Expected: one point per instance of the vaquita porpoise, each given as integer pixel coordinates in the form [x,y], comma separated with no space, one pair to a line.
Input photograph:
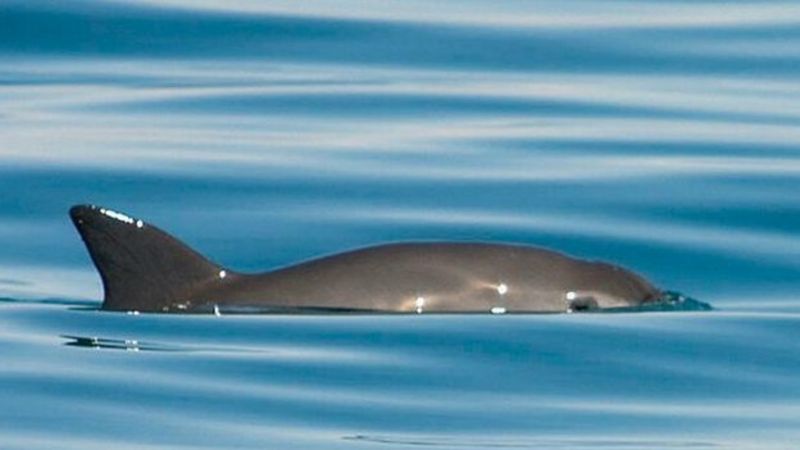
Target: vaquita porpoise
[145,269]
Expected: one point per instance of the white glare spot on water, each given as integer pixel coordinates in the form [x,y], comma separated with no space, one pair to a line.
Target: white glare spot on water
[223,274]
[502,289]
[498,310]
[133,313]
[139,224]
[420,303]
[571,295]
[131,345]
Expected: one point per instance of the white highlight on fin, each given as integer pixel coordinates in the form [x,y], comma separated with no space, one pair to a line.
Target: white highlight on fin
[223,274]
[498,310]
[502,288]
[216,311]
[117,215]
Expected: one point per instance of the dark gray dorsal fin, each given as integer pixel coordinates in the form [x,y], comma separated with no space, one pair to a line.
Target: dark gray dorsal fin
[142,267]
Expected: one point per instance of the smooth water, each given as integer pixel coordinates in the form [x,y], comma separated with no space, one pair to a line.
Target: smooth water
[663,136]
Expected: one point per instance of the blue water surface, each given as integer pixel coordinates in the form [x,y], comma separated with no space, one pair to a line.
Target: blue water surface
[663,136]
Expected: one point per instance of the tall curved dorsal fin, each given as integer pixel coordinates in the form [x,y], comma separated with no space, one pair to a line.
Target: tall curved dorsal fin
[142,267]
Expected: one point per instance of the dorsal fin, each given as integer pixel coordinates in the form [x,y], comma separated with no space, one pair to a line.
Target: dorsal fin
[142,267]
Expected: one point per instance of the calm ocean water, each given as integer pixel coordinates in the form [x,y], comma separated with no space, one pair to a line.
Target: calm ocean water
[663,136]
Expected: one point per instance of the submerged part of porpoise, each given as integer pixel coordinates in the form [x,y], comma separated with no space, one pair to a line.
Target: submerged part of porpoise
[145,269]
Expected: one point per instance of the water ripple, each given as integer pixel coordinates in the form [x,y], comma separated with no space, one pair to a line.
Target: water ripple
[660,136]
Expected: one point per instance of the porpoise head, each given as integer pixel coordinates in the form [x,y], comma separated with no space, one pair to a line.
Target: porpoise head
[599,285]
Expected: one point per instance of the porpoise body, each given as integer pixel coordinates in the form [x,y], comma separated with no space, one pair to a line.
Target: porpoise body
[145,269]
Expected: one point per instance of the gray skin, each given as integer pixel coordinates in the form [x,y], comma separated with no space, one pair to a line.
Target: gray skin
[145,269]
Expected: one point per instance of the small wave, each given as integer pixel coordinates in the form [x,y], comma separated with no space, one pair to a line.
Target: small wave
[136,345]
[120,344]
[527,443]
[78,304]
[14,282]
[669,301]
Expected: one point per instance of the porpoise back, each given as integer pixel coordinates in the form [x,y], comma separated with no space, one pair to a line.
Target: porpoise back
[145,269]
